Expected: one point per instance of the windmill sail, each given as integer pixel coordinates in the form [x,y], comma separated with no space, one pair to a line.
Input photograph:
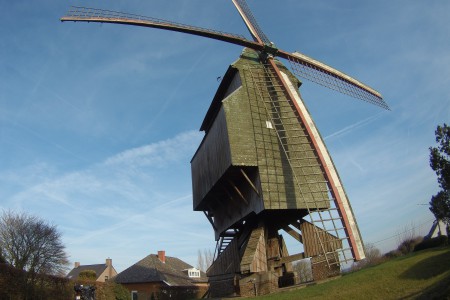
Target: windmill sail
[320,73]
[301,64]
[250,21]
[96,15]
[262,166]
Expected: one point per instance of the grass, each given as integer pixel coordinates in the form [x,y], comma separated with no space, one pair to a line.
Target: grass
[421,275]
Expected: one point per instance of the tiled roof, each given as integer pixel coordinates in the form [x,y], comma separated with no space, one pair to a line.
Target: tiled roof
[151,269]
[99,269]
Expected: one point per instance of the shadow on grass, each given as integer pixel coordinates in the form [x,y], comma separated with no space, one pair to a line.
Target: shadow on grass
[428,268]
[440,290]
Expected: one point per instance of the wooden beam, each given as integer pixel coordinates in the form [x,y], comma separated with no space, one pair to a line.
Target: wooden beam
[210,220]
[293,233]
[233,200]
[291,258]
[296,224]
[249,181]
[237,191]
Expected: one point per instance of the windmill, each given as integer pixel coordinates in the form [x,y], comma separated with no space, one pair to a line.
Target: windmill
[262,166]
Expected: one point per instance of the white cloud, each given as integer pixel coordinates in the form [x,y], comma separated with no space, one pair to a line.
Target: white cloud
[122,200]
[158,154]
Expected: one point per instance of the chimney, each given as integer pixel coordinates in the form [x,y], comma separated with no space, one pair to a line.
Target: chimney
[109,267]
[77,264]
[162,256]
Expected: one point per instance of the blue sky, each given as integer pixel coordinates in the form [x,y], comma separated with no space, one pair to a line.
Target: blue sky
[98,122]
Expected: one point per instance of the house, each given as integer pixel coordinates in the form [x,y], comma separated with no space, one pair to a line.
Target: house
[437,229]
[158,273]
[104,271]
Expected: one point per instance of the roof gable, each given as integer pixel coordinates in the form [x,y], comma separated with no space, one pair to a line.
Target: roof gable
[75,272]
[247,58]
[151,269]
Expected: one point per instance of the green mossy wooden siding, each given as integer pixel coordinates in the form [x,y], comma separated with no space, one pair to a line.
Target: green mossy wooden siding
[240,130]
[241,122]
[284,185]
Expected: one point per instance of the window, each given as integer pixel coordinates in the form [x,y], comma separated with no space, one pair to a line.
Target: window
[134,295]
[106,278]
[194,273]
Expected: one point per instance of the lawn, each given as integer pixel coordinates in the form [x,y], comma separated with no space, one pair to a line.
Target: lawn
[421,275]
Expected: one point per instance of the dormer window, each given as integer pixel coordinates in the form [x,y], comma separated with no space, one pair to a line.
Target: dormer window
[193,273]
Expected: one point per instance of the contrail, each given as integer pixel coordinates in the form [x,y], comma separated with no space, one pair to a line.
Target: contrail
[354,126]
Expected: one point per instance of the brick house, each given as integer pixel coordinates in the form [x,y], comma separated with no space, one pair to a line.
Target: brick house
[104,271]
[158,273]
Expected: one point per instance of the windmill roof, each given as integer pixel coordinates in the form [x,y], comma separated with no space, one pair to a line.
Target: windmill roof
[151,269]
[227,78]
[99,269]
[216,102]
[251,57]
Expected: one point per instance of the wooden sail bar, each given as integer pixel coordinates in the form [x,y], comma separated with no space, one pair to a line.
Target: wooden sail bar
[86,14]
[301,64]
[250,21]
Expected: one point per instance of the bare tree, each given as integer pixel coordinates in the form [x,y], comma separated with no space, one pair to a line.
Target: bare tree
[200,261]
[408,233]
[373,254]
[2,260]
[31,244]
[204,260]
[373,257]
[303,269]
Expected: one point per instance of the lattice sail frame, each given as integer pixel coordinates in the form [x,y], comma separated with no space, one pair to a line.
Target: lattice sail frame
[320,73]
[323,220]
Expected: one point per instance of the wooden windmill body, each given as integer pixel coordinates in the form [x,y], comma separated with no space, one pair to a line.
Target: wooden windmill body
[262,167]
[256,172]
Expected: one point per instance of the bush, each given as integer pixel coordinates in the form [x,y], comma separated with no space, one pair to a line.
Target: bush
[431,243]
[407,246]
[108,290]
[373,258]
[15,285]
[393,254]
[87,275]
[120,292]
